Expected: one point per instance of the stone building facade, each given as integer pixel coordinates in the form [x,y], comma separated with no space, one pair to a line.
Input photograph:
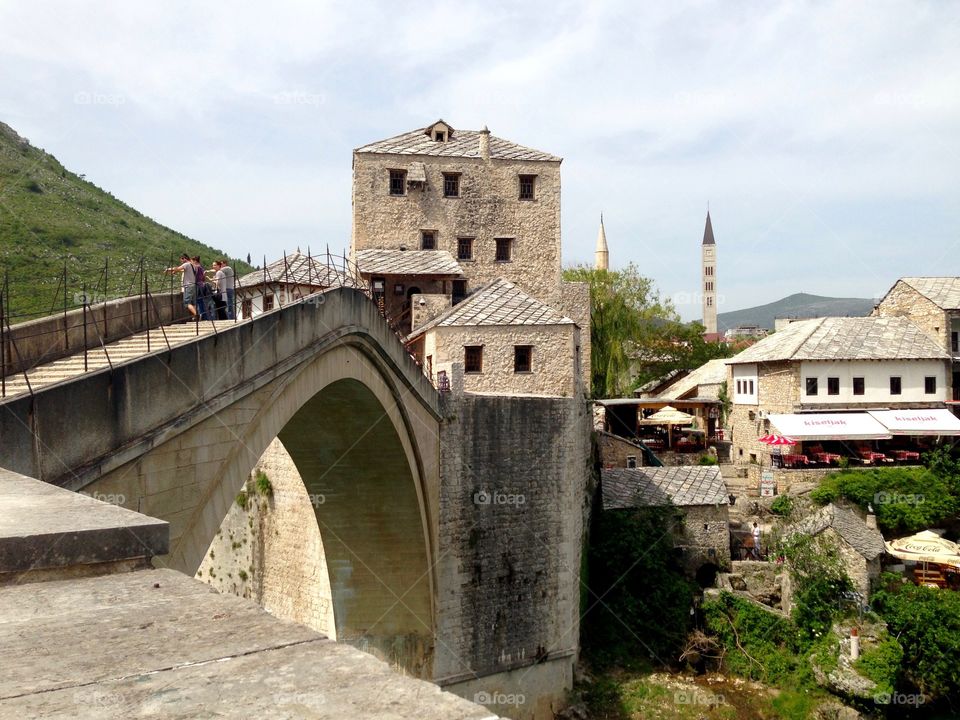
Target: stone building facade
[699,494]
[467,186]
[440,213]
[933,305]
[832,364]
[507,343]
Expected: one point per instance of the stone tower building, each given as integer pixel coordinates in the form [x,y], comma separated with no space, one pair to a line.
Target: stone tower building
[708,270]
[601,258]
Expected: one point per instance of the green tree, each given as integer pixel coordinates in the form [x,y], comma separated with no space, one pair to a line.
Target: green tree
[635,334]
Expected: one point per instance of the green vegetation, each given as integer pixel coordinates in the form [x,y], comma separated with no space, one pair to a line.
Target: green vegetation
[242,499]
[243,575]
[639,600]
[50,216]
[905,499]
[636,335]
[926,621]
[707,460]
[263,484]
[782,505]
[819,581]
[882,664]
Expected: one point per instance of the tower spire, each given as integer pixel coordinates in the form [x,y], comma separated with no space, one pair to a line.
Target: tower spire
[601,257]
[708,278]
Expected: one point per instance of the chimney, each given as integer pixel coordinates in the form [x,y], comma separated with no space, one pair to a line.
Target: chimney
[485,143]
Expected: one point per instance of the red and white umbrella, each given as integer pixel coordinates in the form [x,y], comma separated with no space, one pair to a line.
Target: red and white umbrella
[775,439]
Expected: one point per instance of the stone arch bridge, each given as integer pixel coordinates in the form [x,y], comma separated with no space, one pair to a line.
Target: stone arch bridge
[478,597]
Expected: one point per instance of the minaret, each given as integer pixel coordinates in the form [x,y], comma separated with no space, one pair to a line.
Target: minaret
[601,258]
[708,278]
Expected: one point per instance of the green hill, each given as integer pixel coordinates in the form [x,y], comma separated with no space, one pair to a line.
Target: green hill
[799,305]
[50,216]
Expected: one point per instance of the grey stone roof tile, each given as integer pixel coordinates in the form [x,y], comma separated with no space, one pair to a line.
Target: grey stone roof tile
[499,302]
[845,338]
[407,262]
[942,291]
[849,525]
[462,144]
[659,486]
[298,269]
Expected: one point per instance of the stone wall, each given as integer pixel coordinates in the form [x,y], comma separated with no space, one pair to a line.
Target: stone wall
[516,483]
[778,390]
[575,304]
[862,572]
[615,450]
[488,208]
[553,362]
[705,537]
[255,556]
[904,301]
[425,307]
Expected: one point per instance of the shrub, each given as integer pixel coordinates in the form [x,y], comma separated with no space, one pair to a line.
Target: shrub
[243,575]
[33,186]
[905,499]
[242,499]
[782,505]
[263,484]
[707,460]
[819,581]
[926,622]
[881,664]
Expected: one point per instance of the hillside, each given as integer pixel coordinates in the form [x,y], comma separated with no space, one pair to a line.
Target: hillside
[799,305]
[50,215]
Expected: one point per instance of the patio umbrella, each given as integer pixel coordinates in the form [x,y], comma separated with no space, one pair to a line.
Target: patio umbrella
[668,416]
[925,547]
[775,439]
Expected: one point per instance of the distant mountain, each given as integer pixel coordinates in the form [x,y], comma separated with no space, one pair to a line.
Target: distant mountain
[50,215]
[799,305]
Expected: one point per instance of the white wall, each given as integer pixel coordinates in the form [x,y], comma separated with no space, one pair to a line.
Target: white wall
[743,376]
[876,375]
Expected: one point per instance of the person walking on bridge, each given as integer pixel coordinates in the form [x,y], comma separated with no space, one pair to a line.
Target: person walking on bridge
[189,277]
[225,286]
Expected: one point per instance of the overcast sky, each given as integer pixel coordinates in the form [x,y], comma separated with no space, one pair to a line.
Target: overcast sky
[825,136]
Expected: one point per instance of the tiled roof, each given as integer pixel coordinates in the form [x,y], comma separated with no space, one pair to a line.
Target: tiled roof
[845,338]
[713,372]
[407,262]
[299,269]
[659,486]
[851,527]
[462,143]
[497,303]
[942,291]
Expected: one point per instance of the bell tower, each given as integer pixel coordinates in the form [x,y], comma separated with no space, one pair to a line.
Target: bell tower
[708,278]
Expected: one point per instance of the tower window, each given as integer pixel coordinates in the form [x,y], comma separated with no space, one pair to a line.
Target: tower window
[398,182]
[473,358]
[459,291]
[465,248]
[504,249]
[451,185]
[428,240]
[708,270]
[709,301]
[527,185]
[522,358]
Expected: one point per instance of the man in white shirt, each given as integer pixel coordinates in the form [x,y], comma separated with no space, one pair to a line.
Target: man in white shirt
[224,281]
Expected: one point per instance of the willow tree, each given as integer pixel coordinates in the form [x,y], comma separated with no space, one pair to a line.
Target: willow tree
[625,308]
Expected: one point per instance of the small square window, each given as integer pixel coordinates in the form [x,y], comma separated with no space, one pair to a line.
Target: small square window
[833,386]
[527,185]
[440,136]
[465,248]
[428,240]
[473,358]
[930,385]
[631,461]
[398,182]
[812,386]
[896,386]
[504,249]
[267,302]
[858,386]
[522,358]
[451,185]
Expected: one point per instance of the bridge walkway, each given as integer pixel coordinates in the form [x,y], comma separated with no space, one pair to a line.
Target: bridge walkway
[128,348]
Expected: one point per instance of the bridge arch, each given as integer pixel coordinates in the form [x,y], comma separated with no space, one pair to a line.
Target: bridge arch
[345,427]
